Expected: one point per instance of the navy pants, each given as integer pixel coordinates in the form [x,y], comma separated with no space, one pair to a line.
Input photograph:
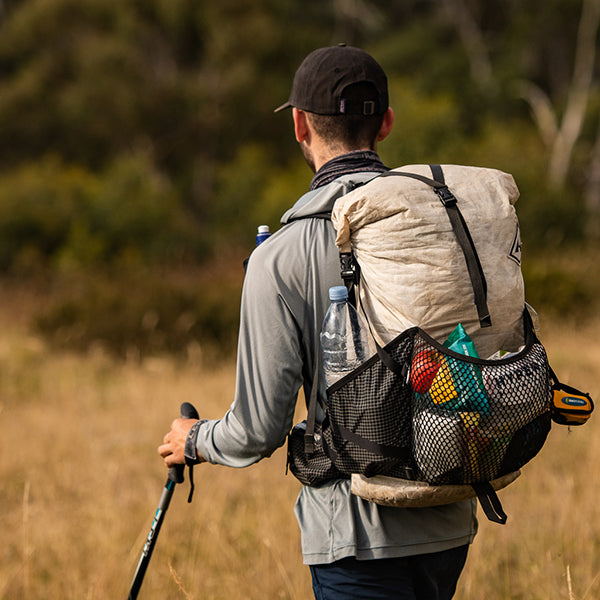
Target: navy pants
[423,577]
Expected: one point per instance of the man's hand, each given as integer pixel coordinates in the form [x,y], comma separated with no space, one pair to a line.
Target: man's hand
[172,450]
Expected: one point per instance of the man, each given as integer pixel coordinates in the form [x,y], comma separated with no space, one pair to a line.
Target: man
[355,549]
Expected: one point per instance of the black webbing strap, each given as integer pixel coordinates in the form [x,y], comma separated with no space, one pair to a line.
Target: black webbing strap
[373,447]
[466,243]
[438,173]
[461,231]
[311,412]
[401,370]
[490,503]
[350,273]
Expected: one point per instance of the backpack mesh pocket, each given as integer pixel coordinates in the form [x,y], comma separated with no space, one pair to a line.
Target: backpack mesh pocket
[447,419]
[368,425]
[475,420]
[311,468]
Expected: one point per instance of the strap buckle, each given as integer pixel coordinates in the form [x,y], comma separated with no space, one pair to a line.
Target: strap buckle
[445,195]
[349,269]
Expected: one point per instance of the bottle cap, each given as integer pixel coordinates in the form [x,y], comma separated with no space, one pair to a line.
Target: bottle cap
[263,229]
[338,292]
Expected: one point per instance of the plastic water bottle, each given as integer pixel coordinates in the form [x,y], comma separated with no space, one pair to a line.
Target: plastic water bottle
[263,233]
[345,339]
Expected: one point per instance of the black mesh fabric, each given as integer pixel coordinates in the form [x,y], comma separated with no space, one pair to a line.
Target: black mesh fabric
[375,404]
[476,420]
[310,468]
[450,420]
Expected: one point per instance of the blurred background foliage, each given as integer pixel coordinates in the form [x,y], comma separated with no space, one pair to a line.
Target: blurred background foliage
[139,149]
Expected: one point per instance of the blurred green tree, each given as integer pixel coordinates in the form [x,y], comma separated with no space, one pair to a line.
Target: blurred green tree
[190,87]
[141,133]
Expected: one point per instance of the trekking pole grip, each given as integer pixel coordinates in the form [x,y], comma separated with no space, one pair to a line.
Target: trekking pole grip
[187,411]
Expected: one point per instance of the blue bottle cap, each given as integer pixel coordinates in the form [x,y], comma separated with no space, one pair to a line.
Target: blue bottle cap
[338,293]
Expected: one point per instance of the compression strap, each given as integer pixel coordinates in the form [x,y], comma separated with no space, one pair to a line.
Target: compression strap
[463,236]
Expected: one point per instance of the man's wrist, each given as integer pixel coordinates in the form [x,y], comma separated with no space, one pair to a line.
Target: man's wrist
[191,452]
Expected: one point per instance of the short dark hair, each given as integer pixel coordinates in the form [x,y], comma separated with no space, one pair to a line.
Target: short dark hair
[352,131]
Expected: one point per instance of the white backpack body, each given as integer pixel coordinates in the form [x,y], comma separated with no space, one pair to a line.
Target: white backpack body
[412,268]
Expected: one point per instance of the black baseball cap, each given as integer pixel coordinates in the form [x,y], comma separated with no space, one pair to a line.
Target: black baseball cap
[339,80]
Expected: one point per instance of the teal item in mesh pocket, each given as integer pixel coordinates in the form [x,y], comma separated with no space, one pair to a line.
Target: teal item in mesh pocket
[470,394]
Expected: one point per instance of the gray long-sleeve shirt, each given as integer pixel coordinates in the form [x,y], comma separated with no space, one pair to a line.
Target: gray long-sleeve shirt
[284,301]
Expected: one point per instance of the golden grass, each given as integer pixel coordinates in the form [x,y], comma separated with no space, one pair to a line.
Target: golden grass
[81,480]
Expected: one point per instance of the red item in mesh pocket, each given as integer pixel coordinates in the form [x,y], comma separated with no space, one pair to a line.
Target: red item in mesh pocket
[423,370]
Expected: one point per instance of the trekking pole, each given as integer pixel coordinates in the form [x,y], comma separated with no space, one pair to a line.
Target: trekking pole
[175,476]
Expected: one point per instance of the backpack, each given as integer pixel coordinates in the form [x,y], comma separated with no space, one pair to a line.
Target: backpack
[441,423]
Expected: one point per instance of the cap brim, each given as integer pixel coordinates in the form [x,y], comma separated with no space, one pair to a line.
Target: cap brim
[283,107]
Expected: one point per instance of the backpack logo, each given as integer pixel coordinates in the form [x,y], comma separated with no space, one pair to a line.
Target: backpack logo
[515,249]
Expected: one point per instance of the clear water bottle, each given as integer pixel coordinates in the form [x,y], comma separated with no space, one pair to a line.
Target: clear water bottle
[263,233]
[345,338]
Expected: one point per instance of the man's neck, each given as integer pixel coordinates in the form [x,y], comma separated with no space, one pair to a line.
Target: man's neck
[330,153]
[356,161]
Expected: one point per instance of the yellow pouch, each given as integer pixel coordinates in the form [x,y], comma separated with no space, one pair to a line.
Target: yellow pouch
[442,389]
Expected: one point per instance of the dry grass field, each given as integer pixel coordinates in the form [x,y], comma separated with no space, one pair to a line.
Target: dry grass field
[81,480]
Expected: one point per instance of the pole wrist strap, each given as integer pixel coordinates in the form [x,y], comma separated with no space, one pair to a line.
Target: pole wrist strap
[191,453]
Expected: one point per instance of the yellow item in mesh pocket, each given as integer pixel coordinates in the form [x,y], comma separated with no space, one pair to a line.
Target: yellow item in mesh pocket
[472,440]
[442,389]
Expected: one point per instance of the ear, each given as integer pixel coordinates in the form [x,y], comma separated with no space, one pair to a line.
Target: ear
[387,124]
[301,128]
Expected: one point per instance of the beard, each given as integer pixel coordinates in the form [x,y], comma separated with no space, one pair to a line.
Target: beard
[308,157]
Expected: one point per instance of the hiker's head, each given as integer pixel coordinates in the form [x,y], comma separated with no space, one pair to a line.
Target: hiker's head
[340,97]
